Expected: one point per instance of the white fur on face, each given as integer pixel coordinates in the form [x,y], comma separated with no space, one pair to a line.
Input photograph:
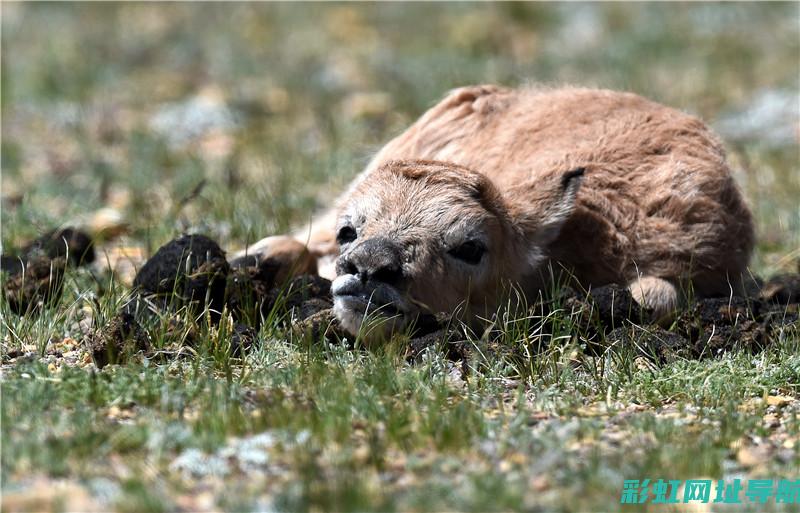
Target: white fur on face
[353,305]
[349,318]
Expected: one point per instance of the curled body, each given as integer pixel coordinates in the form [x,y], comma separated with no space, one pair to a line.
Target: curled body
[494,187]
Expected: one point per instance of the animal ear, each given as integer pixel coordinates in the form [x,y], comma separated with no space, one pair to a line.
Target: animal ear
[553,202]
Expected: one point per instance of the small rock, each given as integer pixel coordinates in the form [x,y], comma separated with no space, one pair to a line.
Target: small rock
[780,400]
[454,350]
[308,286]
[783,289]
[308,308]
[322,324]
[602,309]
[190,269]
[242,339]
[307,295]
[39,284]
[249,295]
[714,325]
[69,243]
[751,456]
[120,338]
[653,342]
[614,305]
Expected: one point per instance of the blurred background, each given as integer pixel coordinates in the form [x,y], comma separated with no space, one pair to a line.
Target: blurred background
[142,120]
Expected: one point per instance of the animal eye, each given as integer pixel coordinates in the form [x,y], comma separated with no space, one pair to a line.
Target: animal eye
[470,252]
[346,235]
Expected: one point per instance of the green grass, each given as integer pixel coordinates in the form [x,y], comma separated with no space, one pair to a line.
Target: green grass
[314,91]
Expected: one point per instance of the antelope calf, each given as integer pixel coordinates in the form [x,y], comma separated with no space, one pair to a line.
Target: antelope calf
[493,187]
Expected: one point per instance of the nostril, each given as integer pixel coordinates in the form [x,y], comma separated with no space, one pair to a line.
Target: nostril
[376,259]
[388,274]
[345,266]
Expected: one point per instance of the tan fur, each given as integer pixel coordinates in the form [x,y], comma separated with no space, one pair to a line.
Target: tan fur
[657,207]
[658,294]
[287,255]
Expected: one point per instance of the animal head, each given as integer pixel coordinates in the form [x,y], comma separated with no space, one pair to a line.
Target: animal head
[424,237]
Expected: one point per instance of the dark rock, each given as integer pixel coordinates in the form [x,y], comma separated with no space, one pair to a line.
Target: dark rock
[775,315]
[651,341]
[723,309]
[615,305]
[75,246]
[206,286]
[166,270]
[10,355]
[189,270]
[418,345]
[445,340]
[146,309]
[38,285]
[307,286]
[599,311]
[429,323]
[707,312]
[36,273]
[576,306]
[783,289]
[440,332]
[11,264]
[249,295]
[70,243]
[308,308]
[319,326]
[751,286]
[118,340]
[305,296]
[748,334]
[242,339]
[714,325]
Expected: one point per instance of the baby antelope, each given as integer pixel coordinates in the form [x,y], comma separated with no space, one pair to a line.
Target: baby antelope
[494,188]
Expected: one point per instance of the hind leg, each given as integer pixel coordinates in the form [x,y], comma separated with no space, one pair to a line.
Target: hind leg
[656,294]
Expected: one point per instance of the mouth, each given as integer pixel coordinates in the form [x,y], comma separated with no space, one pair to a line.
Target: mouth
[364,304]
[354,301]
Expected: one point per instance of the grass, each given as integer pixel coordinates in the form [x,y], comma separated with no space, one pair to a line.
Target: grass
[296,99]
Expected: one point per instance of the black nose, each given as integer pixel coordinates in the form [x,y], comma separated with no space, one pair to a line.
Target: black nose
[376,259]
